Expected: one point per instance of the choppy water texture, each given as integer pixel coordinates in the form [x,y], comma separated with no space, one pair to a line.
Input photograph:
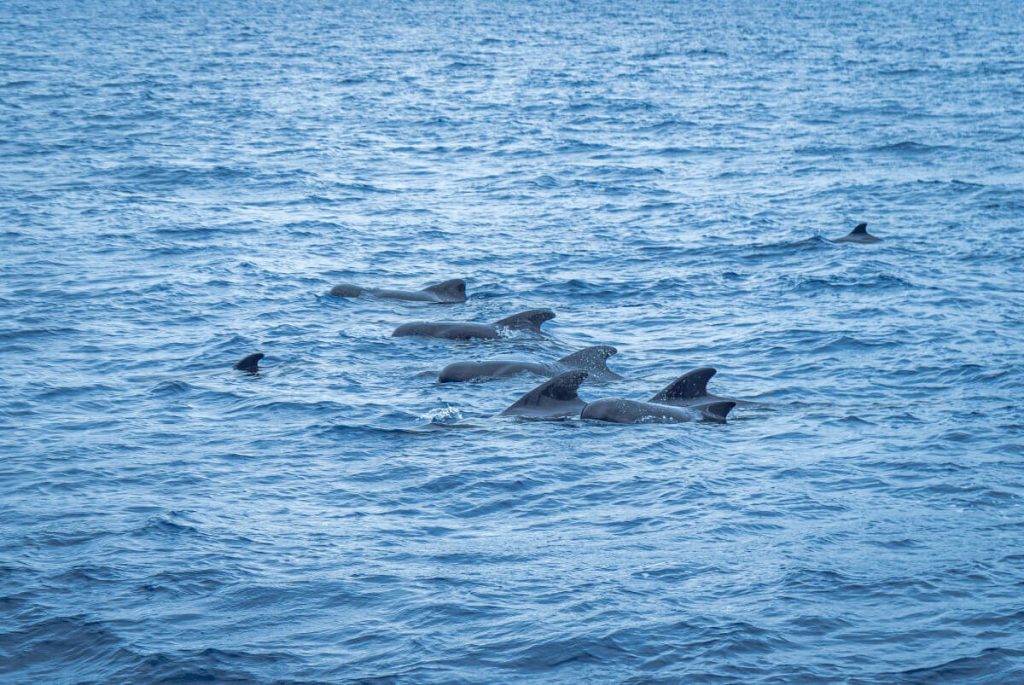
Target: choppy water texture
[183,182]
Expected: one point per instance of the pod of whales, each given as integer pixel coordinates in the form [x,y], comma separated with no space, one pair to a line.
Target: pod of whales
[858,235]
[448,292]
[590,359]
[250,364]
[684,399]
[558,398]
[529,320]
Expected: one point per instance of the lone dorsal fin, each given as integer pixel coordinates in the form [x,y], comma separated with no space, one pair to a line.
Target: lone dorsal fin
[561,388]
[590,358]
[531,319]
[250,364]
[860,229]
[716,411]
[453,290]
[690,385]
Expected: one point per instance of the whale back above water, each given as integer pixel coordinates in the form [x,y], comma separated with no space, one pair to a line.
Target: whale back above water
[490,368]
[447,292]
[590,359]
[620,410]
[556,398]
[858,235]
[459,330]
[450,330]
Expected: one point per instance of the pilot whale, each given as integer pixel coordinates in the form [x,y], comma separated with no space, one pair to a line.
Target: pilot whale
[529,320]
[858,235]
[591,359]
[558,398]
[448,292]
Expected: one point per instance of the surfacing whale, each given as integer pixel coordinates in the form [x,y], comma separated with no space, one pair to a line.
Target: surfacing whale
[529,320]
[858,235]
[590,359]
[558,399]
[448,292]
[691,389]
[250,364]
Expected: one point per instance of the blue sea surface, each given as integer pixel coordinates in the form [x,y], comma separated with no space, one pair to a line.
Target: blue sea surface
[181,184]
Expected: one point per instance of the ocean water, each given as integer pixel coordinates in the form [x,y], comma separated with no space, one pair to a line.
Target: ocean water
[181,183]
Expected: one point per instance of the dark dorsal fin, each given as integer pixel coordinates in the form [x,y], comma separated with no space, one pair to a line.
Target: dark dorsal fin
[561,388]
[531,319]
[690,385]
[590,358]
[453,290]
[250,364]
[860,229]
[716,411]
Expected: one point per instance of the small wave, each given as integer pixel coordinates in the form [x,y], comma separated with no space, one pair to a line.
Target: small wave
[160,175]
[759,251]
[817,284]
[704,150]
[167,526]
[822,151]
[175,387]
[11,334]
[349,431]
[992,665]
[706,52]
[447,414]
[908,147]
